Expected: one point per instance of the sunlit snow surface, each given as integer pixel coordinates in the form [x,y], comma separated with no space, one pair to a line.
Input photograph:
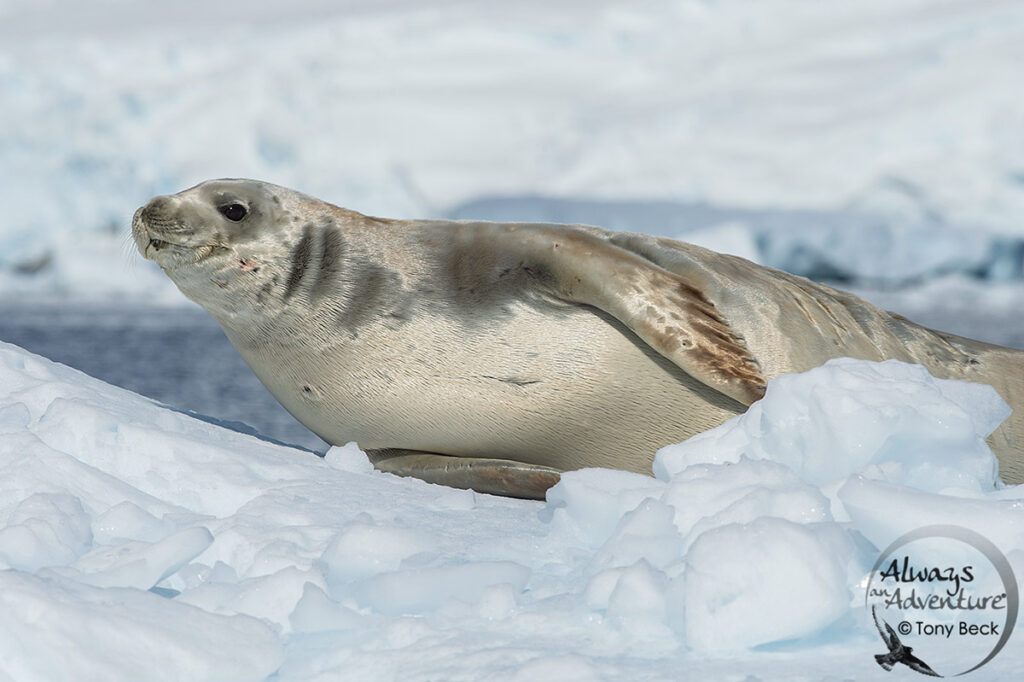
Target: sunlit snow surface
[140,543]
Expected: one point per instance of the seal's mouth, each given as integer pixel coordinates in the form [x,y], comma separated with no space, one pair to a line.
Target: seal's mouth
[171,254]
[168,251]
[152,246]
[151,242]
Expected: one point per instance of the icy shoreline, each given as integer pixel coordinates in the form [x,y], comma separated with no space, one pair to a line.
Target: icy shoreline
[878,141]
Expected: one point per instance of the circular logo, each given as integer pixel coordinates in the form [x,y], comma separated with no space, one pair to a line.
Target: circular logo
[942,598]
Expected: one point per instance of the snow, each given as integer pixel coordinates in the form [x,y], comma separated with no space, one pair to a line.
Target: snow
[57,629]
[137,542]
[877,141]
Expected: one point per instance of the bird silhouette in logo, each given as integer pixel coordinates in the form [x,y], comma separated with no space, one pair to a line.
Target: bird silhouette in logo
[898,653]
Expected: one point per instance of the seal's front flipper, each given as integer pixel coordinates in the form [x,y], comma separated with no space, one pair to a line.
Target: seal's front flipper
[484,475]
[669,311]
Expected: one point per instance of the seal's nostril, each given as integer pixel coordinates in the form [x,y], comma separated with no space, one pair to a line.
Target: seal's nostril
[156,209]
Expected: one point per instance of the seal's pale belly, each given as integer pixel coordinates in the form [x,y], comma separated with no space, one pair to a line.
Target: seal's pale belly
[566,391]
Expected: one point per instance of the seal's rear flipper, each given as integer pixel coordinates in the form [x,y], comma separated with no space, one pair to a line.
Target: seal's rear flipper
[484,475]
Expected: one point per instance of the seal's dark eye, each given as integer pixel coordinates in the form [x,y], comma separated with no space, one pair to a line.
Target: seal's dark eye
[234,212]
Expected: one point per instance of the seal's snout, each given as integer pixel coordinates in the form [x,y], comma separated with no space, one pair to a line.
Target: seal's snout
[152,221]
[162,217]
[158,210]
[139,232]
[137,220]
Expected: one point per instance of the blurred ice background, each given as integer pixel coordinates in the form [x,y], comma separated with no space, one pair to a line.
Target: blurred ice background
[875,144]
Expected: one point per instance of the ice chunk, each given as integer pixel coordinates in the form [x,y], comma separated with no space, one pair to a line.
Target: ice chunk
[498,601]
[273,597]
[561,667]
[212,596]
[421,590]
[315,612]
[142,564]
[884,511]
[592,501]
[348,457]
[707,496]
[766,581]
[646,533]
[56,629]
[127,521]
[639,593]
[363,549]
[14,417]
[847,415]
[45,529]
[448,499]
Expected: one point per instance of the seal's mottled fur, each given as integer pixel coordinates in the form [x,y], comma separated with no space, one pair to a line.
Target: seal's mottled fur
[493,355]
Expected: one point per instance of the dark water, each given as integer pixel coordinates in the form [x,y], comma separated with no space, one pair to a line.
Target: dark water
[178,356]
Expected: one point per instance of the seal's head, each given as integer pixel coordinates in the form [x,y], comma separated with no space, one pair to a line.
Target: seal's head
[191,226]
[207,237]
